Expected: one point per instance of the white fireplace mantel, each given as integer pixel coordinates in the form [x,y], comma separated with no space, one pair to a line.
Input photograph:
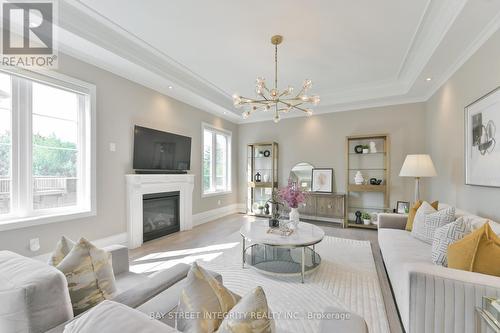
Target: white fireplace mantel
[140,184]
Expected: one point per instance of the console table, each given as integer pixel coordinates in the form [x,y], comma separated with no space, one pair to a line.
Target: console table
[330,207]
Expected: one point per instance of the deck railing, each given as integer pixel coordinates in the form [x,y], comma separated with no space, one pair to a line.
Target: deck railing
[41,185]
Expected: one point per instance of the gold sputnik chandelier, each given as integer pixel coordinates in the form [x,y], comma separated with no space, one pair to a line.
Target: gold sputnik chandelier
[274,99]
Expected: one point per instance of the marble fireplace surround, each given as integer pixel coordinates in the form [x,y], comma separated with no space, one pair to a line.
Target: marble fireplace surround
[140,184]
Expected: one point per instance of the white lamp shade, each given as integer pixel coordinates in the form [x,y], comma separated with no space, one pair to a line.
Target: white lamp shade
[418,166]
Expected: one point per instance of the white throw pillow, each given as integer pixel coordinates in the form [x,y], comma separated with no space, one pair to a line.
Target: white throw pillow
[89,272]
[424,210]
[251,314]
[63,247]
[425,231]
[446,235]
[203,302]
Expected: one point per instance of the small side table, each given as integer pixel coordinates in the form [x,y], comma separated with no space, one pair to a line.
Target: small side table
[488,314]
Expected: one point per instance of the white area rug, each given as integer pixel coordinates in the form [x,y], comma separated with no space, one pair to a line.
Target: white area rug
[347,278]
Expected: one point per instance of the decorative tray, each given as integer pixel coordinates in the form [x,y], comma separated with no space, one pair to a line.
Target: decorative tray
[279,231]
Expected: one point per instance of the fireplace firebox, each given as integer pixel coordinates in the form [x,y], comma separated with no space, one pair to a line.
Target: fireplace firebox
[160,214]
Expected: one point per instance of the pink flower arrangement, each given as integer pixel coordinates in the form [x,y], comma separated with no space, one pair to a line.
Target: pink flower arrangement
[292,195]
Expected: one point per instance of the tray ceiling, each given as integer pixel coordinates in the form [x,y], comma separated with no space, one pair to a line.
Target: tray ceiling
[358,53]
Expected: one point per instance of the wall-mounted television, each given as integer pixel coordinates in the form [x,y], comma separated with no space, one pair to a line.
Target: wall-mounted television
[160,152]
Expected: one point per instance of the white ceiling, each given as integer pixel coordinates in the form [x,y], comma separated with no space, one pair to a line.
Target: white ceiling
[358,53]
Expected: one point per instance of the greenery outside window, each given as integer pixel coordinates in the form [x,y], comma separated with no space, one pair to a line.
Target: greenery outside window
[47,164]
[216,167]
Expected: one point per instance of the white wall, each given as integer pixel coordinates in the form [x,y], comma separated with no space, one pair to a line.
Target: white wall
[120,105]
[320,140]
[445,131]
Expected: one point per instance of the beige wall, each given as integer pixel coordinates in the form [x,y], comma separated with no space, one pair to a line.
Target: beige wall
[320,140]
[445,131]
[120,105]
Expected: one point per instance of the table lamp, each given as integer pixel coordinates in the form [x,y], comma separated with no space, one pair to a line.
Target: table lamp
[418,166]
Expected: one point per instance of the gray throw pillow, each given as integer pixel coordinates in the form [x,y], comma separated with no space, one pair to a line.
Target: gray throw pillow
[446,235]
[425,231]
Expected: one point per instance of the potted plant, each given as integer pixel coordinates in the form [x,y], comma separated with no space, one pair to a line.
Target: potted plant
[261,209]
[293,196]
[367,219]
[366,149]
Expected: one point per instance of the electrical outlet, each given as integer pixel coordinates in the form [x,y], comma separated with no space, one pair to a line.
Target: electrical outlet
[112,146]
[34,244]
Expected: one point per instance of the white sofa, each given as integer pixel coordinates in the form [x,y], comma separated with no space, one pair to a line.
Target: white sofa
[431,298]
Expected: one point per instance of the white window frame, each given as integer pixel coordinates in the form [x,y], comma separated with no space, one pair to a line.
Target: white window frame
[22,214]
[228,134]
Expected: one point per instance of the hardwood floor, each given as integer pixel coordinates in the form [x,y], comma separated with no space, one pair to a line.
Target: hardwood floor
[218,231]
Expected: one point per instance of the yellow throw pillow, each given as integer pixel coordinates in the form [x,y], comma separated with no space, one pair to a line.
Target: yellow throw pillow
[413,212]
[477,252]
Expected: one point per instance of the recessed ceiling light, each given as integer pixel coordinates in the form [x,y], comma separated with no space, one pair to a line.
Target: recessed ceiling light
[170,87]
[225,112]
[428,79]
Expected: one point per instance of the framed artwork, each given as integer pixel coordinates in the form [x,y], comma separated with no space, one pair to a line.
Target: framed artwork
[403,207]
[322,180]
[482,153]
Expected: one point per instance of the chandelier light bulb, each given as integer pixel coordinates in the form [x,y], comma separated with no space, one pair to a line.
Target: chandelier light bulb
[274,93]
[267,108]
[276,118]
[307,84]
[309,112]
[304,98]
[245,114]
[315,100]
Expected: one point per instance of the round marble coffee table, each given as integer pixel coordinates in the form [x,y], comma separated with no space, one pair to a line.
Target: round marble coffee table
[273,253]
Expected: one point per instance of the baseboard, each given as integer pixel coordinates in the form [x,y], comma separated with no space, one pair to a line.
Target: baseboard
[214,214]
[198,219]
[120,239]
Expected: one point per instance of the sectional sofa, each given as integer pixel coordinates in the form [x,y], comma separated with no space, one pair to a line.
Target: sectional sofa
[431,298]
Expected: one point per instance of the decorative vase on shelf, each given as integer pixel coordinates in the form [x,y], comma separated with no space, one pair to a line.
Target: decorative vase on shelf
[294,217]
[257,177]
[266,178]
[373,147]
[358,178]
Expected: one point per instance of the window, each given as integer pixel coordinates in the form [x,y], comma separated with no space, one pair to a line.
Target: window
[216,168]
[46,153]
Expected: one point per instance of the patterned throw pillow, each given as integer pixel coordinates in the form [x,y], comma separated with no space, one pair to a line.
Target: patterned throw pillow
[251,314]
[425,231]
[446,235]
[63,247]
[89,272]
[205,297]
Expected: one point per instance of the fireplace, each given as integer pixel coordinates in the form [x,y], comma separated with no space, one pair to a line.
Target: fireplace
[160,214]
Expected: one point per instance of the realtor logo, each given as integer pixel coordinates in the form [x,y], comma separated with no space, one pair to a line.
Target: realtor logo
[28,34]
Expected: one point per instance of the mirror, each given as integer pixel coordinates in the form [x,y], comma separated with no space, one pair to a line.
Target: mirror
[301,174]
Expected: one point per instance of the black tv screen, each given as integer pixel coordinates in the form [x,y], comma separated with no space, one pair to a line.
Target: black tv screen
[157,150]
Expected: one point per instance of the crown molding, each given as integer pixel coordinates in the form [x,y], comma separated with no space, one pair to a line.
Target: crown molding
[91,37]
[435,23]
[480,39]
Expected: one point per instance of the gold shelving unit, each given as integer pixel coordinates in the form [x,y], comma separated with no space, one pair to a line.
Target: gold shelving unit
[262,159]
[373,164]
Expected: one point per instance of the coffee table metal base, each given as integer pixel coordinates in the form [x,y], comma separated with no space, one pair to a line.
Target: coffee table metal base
[276,260]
